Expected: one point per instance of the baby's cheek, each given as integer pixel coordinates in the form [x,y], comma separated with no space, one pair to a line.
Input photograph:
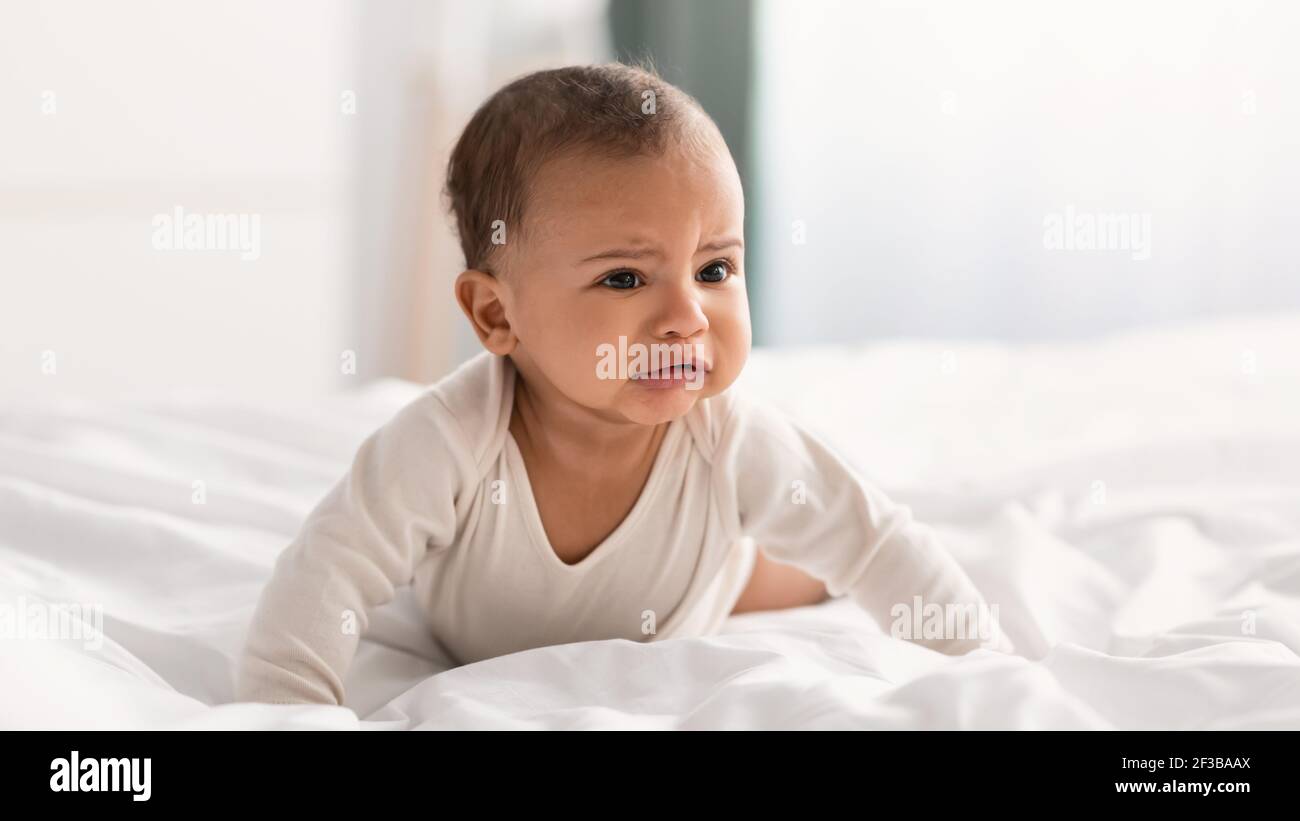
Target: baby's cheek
[734,337]
[594,382]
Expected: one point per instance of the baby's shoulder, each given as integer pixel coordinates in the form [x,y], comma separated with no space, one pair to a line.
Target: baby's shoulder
[744,432]
[712,421]
[463,410]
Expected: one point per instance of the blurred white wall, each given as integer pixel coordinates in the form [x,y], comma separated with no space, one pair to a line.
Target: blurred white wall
[116,112]
[913,154]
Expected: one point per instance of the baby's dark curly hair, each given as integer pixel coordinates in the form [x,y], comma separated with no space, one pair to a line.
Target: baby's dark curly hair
[612,110]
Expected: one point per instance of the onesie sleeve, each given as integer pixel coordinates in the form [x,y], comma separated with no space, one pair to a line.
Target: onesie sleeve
[361,541]
[805,506]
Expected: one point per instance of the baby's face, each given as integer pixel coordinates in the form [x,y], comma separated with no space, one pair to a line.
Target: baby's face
[649,249]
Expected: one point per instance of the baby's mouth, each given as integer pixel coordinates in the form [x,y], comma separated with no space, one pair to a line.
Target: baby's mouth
[685,370]
[686,375]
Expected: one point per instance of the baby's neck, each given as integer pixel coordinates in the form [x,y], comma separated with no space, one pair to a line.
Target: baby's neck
[576,440]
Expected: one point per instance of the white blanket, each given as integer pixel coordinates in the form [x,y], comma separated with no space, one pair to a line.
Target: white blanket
[1132,505]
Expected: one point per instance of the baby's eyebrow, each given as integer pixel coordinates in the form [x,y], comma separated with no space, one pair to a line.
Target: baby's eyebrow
[625,253]
[647,251]
[721,244]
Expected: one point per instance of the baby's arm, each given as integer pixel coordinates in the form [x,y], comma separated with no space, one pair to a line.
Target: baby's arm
[806,507]
[362,541]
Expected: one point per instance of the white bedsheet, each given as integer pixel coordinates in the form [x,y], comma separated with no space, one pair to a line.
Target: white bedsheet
[1131,504]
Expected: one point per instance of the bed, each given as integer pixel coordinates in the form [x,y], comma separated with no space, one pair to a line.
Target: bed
[1131,502]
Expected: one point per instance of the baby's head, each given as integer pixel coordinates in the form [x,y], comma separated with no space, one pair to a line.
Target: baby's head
[601,216]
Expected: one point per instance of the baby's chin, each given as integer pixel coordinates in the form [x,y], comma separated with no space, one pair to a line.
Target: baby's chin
[656,405]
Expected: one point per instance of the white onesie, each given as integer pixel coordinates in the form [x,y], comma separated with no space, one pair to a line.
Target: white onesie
[439,497]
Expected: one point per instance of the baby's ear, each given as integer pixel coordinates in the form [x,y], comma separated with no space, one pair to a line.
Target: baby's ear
[479,296]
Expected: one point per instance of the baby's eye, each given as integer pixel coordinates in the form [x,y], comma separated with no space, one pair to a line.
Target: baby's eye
[715,271]
[621,280]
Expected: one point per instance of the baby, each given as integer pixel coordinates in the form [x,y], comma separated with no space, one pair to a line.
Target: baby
[543,493]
